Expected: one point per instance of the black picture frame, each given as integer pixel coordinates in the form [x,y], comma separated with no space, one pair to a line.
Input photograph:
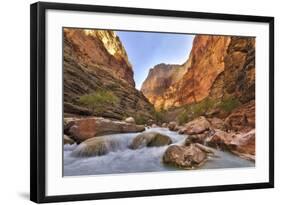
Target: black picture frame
[38,101]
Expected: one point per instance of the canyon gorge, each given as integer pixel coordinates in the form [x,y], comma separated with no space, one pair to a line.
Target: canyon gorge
[190,112]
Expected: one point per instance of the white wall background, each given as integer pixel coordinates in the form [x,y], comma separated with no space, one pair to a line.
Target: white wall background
[14,101]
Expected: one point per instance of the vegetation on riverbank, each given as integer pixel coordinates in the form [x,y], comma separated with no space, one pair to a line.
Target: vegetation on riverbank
[202,108]
[99,100]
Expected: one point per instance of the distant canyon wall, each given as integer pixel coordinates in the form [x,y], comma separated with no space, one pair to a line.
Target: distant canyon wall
[218,66]
[160,79]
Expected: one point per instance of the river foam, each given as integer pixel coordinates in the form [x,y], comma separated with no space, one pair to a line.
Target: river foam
[147,159]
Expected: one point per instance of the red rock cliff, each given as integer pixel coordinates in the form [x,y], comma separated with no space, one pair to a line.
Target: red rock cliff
[217,66]
[98,78]
[160,78]
[100,47]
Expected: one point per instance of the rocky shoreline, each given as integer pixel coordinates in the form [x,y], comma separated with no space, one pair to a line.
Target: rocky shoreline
[204,136]
[212,132]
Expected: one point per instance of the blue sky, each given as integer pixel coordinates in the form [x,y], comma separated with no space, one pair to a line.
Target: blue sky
[146,49]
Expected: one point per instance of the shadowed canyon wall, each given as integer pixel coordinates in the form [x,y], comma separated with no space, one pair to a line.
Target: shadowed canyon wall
[98,77]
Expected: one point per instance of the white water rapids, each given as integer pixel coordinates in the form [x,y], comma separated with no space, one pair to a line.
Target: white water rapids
[147,159]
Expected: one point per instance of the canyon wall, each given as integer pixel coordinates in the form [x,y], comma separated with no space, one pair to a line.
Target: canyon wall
[102,48]
[98,77]
[160,78]
[218,67]
[238,76]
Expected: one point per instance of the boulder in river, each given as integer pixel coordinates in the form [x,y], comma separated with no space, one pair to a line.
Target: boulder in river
[67,123]
[208,150]
[244,145]
[150,139]
[154,125]
[85,128]
[82,129]
[67,140]
[178,128]
[172,126]
[130,120]
[220,139]
[164,124]
[200,138]
[241,144]
[94,147]
[245,142]
[197,126]
[187,157]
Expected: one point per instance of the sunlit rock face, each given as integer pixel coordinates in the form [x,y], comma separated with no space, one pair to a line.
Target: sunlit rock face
[100,47]
[159,80]
[96,67]
[207,62]
[218,66]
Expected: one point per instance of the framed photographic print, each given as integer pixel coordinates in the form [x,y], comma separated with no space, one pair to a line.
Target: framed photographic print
[129,102]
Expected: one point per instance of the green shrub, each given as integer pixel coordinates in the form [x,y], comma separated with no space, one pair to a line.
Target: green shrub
[183,117]
[202,107]
[159,116]
[229,104]
[195,110]
[140,119]
[99,100]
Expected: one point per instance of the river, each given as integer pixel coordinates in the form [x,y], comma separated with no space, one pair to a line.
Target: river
[124,160]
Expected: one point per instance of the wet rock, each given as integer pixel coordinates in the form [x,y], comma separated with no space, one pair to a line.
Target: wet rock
[96,146]
[244,144]
[154,125]
[178,128]
[241,144]
[172,126]
[206,149]
[130,120]
[150,139]
[83,129]
[187,157]
[150,122]
[67,123]
[198,138]
[181,130]
[164,124]
[67,140]
[220,139]
[197,126]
